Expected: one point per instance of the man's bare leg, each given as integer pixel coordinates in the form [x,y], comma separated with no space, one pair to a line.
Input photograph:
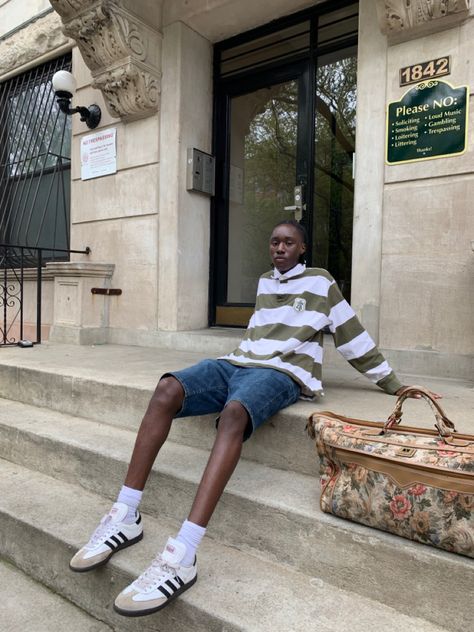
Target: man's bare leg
[175,570]
[222,461]
[122,526]
[154,429]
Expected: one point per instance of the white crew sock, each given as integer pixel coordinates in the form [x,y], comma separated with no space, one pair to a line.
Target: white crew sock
[190,535]
[131,497]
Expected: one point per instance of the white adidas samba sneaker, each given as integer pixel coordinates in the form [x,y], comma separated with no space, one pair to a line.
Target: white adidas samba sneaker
[162,582]
[111,536]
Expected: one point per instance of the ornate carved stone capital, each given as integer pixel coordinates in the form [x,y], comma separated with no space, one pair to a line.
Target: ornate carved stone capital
[413,17]
[121,50]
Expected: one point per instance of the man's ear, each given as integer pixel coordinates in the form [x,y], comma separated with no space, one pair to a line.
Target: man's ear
[303,248]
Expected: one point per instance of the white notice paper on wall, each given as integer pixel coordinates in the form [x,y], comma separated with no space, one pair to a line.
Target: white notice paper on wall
[99,154]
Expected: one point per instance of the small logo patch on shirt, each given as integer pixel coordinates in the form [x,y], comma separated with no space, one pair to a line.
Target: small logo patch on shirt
[300,304]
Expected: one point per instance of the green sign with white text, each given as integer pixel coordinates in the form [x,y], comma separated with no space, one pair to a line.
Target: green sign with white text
[430,121]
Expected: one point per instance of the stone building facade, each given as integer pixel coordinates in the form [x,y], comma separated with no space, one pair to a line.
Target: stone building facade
[151,67]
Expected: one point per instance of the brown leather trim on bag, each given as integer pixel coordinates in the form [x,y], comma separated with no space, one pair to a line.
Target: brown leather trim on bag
[380,424]
[460,443]
[408,474]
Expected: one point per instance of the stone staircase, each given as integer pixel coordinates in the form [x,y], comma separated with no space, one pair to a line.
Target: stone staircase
[271,560]
[45,610]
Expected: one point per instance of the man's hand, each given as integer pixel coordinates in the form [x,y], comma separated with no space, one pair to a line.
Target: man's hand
[417,395]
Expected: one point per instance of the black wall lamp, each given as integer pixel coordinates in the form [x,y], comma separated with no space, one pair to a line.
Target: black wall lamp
[64,86]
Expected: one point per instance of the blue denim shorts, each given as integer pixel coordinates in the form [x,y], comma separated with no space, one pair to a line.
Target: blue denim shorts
[211,384]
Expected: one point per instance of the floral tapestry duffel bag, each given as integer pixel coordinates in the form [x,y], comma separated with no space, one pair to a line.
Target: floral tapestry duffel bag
[414,482]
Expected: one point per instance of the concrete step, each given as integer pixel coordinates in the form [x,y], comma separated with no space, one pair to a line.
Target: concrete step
[113,384]
[43,521]
[214,342]
[270,513]
[270,501]
[28,605]
[115,388]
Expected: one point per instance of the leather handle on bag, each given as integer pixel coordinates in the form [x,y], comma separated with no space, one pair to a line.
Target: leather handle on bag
[444,426]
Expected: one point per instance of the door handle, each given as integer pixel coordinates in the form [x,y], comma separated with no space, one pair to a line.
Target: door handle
[299,206]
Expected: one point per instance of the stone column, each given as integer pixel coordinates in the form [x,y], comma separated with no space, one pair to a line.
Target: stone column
[382,23]
[369,176]
[184,222]
[79,316]
[427,303]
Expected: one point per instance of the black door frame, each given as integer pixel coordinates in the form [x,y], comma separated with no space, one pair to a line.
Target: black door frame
[303,69]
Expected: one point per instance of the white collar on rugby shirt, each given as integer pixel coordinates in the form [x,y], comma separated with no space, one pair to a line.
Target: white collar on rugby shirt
[298,269]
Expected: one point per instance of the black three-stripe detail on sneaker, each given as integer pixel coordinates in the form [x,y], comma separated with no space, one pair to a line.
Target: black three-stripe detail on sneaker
[111,545]
[164,591]
[115,541]
[113,549]
[139,519]
[171,586]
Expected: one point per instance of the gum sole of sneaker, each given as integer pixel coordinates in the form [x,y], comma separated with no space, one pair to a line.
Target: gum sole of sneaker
[142,613]
[102,562]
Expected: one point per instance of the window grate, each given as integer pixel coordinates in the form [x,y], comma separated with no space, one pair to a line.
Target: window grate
[35,161]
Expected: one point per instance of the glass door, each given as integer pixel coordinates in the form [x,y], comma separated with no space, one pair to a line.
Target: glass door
[266,138]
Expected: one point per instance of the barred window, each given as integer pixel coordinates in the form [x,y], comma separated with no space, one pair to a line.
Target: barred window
[35,161]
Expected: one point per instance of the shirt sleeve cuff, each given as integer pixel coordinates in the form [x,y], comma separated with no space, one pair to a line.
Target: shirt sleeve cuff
[390,384]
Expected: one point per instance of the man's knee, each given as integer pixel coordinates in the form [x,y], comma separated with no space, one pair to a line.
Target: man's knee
[233,420]
[168,395]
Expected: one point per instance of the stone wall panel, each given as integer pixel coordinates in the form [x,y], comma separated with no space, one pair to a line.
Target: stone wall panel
[219,19]
[39,39]
[16,12]
[427,300]
[131,245]
[128,193]
[457,43]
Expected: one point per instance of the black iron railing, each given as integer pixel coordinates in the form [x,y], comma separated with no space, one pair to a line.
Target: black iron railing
[17,263]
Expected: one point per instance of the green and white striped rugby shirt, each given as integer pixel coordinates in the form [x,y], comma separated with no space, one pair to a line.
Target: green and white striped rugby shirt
[285,331]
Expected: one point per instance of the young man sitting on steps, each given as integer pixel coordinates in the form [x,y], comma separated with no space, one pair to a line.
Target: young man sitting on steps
[278,361]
